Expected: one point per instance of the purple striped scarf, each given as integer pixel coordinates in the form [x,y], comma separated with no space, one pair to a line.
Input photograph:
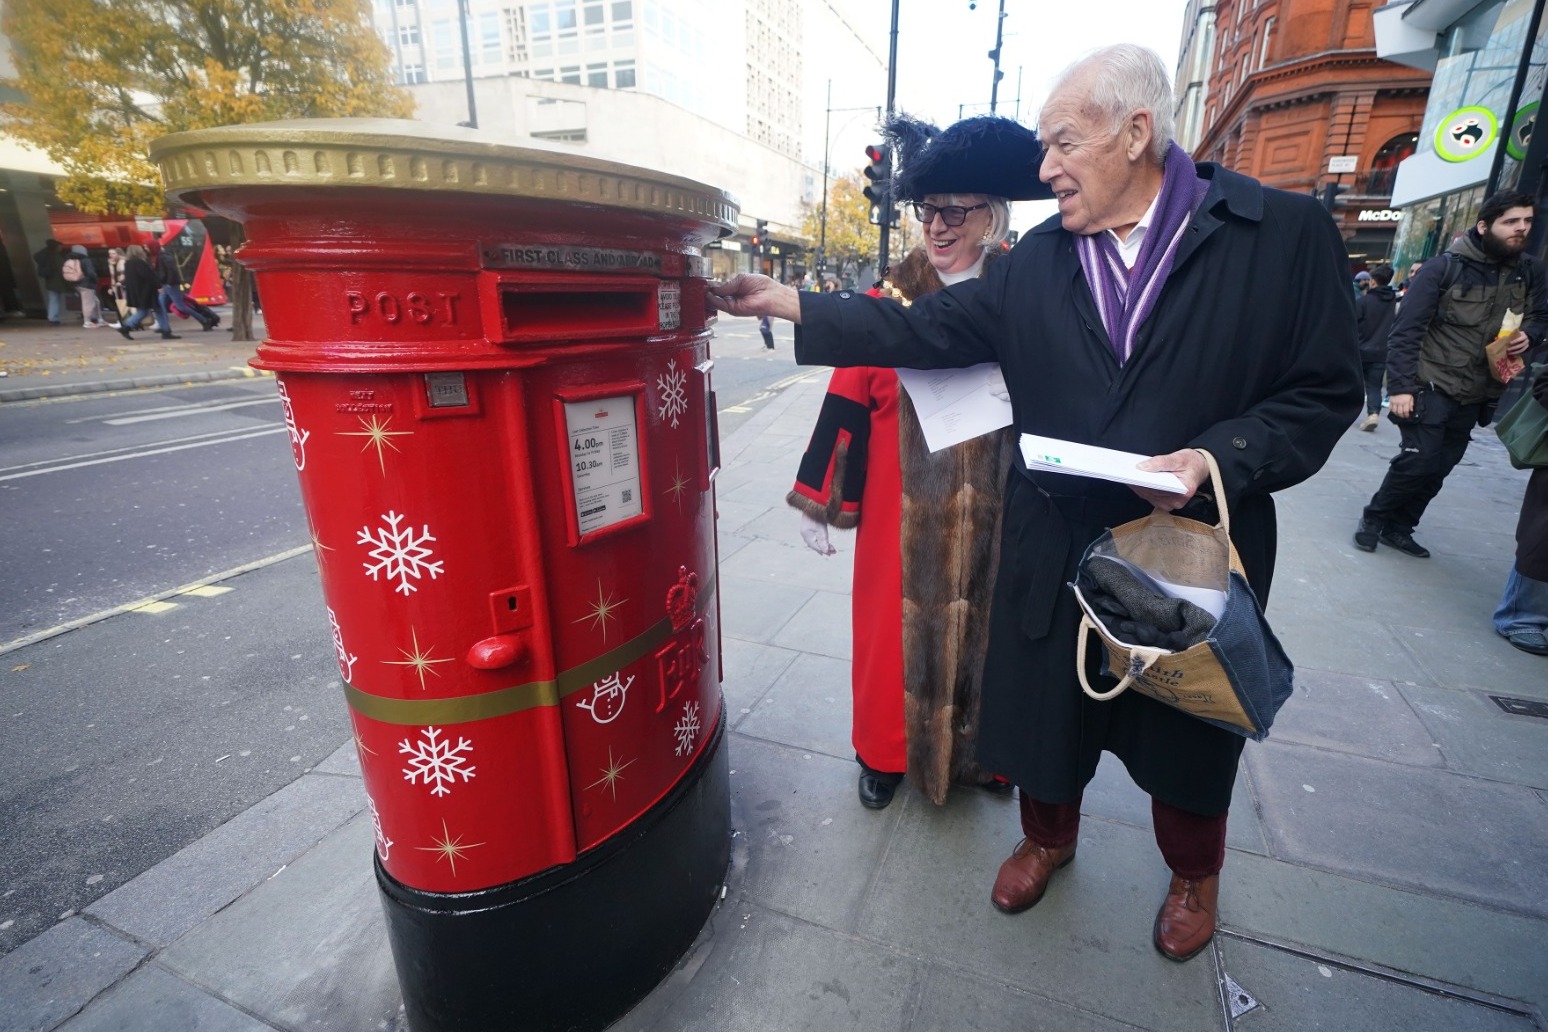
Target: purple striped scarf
[1125,297]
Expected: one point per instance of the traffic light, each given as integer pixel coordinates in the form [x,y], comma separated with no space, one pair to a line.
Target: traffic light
[878,191]
[760,236]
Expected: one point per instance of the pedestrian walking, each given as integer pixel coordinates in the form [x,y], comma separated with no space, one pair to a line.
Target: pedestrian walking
[141,292]
[1134,321]
[1439,383]
[1374,312]
[1522,615]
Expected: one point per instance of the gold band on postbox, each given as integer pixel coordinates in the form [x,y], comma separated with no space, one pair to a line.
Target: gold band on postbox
[464,709]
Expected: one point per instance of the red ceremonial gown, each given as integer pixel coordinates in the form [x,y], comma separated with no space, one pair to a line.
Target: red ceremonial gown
[925,551]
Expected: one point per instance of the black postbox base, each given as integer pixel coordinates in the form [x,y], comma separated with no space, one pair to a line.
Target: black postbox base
[572,949]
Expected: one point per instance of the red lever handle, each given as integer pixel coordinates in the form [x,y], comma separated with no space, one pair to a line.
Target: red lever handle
[493,653]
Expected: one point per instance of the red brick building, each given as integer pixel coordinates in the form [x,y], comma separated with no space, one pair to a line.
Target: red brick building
[1294,95]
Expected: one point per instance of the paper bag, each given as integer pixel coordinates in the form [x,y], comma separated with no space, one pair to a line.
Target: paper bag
[1502,366]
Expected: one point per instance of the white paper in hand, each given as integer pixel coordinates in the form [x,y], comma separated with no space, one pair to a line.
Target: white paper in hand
[1087,460]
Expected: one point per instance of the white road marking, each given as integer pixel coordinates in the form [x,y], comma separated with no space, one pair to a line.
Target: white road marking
[139,454]
[126,448]
[141,603]
[185,410]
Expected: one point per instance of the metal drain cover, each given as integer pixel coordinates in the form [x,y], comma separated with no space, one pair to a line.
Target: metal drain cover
[1521,707]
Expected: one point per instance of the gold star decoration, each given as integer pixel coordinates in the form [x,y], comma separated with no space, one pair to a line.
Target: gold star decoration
[419,659]
[449,849]
[377,436]
[612,774]
[601,611]
[679,484]
[317,546]
[365,750]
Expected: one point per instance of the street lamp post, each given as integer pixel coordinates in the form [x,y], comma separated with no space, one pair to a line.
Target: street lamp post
[467,64]
[999,37]
[892,90]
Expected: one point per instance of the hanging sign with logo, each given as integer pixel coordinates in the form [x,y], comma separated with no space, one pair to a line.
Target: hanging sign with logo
[1520,137]
[1466,133]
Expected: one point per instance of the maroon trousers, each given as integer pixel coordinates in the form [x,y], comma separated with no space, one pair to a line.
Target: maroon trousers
[1193,846]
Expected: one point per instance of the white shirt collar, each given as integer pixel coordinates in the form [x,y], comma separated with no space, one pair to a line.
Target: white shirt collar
[948,278]
[1128,250]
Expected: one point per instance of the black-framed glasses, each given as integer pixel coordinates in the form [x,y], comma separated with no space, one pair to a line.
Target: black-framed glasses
[951,214]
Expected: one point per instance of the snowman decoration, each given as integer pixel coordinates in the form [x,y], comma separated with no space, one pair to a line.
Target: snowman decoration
[607,699]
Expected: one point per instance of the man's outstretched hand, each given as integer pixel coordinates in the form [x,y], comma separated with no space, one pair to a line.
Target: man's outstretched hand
[1188,465]
[747,294]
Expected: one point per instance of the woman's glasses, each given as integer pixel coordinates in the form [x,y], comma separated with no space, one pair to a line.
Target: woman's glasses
[951,214]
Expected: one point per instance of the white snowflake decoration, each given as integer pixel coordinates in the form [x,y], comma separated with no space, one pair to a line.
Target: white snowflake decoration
[687,729]
[674,399]
[383,843]
[436,762]
[399,553]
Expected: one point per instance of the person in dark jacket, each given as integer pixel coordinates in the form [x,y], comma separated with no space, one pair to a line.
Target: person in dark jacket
[1522,615]
[49,263]
[141,287]
[1374,312]
[1135,320]
[1439,384]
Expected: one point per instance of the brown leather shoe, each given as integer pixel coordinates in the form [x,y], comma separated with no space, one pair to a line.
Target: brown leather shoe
[1023,878]
[1186,921]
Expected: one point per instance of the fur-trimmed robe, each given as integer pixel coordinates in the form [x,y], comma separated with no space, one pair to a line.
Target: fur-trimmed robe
[925,559]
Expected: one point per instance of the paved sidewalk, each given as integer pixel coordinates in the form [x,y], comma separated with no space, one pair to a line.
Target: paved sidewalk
[43,361]
[1388,863]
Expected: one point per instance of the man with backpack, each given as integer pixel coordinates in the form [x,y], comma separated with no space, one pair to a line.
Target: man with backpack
[1439,382]
[80,273]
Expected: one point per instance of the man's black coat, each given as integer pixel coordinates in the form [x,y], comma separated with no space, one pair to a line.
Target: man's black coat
[1250,353]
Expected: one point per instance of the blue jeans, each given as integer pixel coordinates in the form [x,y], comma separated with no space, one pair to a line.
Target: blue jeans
[1524,607]
[56,303]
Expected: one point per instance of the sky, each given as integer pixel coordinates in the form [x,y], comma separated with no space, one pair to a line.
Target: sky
[944,70]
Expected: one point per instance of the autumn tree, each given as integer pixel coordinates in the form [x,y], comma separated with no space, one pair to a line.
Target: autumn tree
[851,240]
[102,78]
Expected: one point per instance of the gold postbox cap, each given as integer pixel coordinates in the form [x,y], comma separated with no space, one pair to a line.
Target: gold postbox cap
[397,154]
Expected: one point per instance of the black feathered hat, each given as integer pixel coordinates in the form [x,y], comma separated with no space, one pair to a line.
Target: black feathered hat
[985,154]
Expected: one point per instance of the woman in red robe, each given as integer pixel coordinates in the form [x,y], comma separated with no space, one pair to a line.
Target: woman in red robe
[925,550]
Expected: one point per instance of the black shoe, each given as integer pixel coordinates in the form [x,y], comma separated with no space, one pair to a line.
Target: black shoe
[876,786]
[169,335]
[1404,542]
[125,331]
[1367,534]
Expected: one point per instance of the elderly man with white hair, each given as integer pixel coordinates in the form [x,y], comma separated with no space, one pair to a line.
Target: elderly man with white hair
[1169,307]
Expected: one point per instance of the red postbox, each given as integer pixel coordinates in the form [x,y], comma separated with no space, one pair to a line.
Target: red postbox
[495,371]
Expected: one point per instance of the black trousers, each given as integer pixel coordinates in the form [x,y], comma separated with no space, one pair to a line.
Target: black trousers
[1374,373]
[1432,443]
